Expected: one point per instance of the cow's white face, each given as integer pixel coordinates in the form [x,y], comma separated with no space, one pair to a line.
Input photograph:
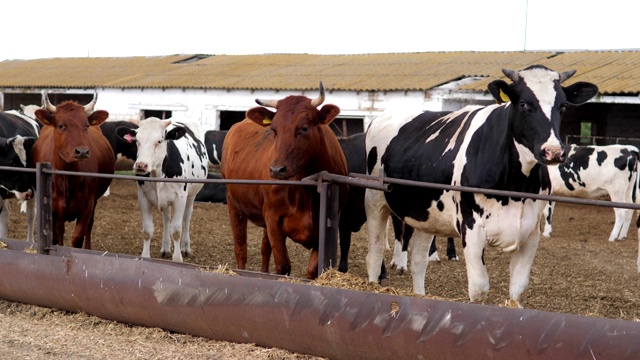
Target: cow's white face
[152,146]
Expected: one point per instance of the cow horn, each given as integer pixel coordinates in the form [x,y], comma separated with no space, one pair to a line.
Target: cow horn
[268,103]
[510,74]
[320,99]
[88,109]
[48,105]
[565,75]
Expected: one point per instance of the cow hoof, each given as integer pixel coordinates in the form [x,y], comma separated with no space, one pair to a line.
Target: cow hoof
[165,254]
[454,258]
[384,282]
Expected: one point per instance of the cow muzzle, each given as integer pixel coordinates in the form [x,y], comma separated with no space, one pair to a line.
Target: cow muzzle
[81,153]
[278,172]
[553,155]
[141,168]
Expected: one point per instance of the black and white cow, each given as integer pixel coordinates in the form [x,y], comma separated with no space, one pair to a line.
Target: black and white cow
[214,192]
[501,146]
[353,215]
[126,149]
[593,172]
[213,140]
[171,150]
[18,133]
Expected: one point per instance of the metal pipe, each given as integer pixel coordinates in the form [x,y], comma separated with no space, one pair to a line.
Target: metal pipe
[316,320]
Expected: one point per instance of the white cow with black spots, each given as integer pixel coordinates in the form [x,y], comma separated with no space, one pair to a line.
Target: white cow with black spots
[593,172]
[171,150]
[501,147]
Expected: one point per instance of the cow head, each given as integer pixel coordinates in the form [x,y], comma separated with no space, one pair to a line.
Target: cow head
[151,139]
[13,152]
[296,124]
[71,122]
[537,103]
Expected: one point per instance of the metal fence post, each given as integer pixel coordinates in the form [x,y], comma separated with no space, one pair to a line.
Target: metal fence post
[44,182]
[328,223]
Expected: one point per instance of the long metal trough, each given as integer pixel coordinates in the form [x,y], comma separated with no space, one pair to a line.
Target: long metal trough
[304,318]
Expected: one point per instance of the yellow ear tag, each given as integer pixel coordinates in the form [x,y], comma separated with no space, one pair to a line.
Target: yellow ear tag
[504,96]
[266,121]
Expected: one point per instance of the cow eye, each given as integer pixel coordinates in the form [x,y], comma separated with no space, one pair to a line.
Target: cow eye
[562,108]
[523,106]
[304,129]
[61,127]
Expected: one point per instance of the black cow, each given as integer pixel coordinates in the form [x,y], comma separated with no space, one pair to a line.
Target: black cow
[503,146]
[18,134]
[213,140]
[353,214]
[214,192]
[127,149]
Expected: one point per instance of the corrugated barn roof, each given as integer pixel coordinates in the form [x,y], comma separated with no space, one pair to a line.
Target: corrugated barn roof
[615,72]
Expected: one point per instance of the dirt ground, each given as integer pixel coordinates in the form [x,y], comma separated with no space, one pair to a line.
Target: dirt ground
[575,271]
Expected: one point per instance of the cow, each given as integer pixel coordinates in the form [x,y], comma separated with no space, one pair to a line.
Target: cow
[167,149]
[214,141]
[18,134]
[503,146]
[127,149]
[72,141]
[291,143]
[593,172]
[213,192]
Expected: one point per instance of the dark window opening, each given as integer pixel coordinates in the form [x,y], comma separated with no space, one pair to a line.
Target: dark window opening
[160,114]
[228,118]
[344,127]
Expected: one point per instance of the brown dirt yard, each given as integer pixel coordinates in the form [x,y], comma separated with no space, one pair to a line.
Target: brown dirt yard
[575,271]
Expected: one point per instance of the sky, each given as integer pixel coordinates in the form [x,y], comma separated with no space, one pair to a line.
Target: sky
[70,28]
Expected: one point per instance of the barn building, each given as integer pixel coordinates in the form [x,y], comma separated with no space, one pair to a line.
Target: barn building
[216,90]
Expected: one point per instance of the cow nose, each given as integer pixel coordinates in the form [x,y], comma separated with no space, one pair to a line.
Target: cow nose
[277,172]
[554,154]
[82,153]
[141,167]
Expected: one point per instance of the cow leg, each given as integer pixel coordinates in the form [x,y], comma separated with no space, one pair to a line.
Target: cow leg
[82,228]
[147,225]
[520,267]
[87,234]
[175,229]
[377,216]
[165,250]
[621,218]
[239,229]
[433,251]
[477,276]
[266,252]
[312,265]
[345,245]
[279,247]
[451,249]
[420,244]
[31,218]
[638,226]
[626,224]
[185,245]
[58,224]
[403,233]
[5,209]
[548,214]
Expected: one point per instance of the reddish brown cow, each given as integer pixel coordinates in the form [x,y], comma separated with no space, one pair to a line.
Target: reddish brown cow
[72,141]
[291,143]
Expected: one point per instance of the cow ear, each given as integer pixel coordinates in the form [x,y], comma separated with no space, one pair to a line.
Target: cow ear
[327,113]
[580,92]
[126,134]
[260,115]
[176,133]
[44,116]
[98,117]
[501,91]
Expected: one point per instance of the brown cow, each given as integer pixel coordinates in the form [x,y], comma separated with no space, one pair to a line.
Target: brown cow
[297,143]
[72,141]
